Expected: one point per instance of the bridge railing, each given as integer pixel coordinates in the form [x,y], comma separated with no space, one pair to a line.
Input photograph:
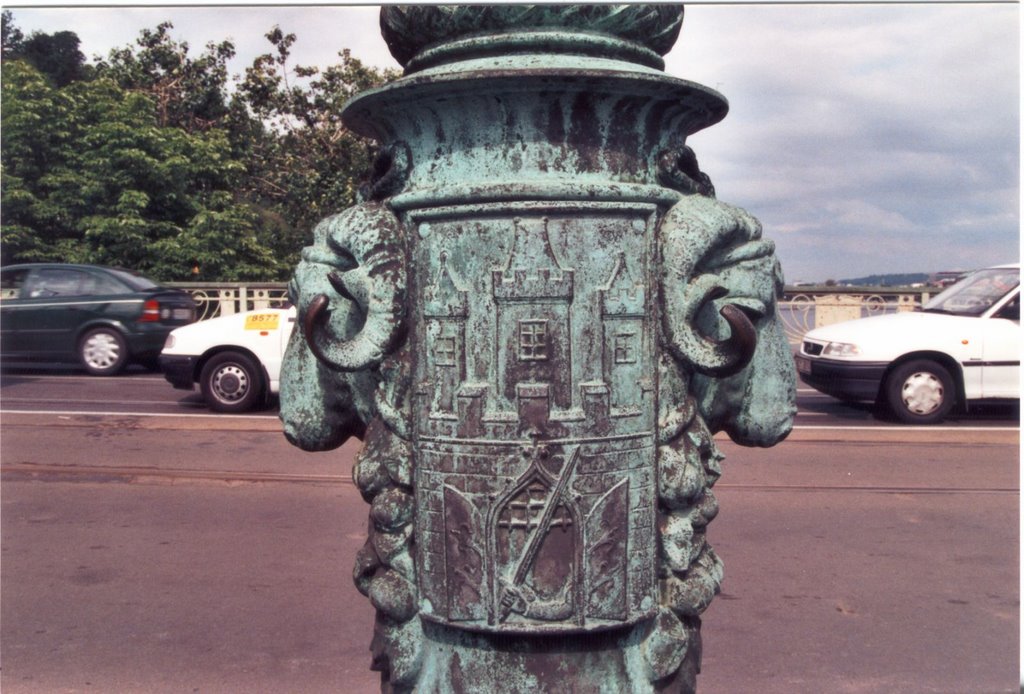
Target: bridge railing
[215,299]
[806,308]
[801,309]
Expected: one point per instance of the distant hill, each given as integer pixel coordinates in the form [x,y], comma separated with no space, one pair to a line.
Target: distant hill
[897,280]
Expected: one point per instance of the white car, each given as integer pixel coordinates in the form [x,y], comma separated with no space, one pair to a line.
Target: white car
[962,346]
[235,359]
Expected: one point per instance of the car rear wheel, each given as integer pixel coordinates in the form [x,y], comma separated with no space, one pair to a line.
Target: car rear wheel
[920,392]
[231,382]
[103,352]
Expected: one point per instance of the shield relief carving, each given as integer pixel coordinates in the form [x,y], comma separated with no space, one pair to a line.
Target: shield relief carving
[534,437]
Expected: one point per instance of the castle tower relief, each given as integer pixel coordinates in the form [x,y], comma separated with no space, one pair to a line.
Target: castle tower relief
[445,309]
[622,319]
[533,294]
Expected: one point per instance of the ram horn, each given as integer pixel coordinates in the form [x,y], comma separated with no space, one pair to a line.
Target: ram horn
[706,354]
[693,234]
[372,236]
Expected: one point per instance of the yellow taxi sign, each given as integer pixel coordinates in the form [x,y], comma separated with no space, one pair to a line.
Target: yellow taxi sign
[262,321]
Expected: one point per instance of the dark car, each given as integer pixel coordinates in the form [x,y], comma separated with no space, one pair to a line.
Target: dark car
[100,317]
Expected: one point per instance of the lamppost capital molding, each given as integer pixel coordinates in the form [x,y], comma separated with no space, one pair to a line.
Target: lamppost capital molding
[421,35]
[536,319]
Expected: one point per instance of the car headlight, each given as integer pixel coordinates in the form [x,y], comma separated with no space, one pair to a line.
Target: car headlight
[840,349]
[169,342]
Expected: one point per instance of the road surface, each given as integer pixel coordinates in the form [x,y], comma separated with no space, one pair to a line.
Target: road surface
[142,393]
[187,552]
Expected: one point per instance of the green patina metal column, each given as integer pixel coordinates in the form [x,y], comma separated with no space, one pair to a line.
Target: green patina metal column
[536,319]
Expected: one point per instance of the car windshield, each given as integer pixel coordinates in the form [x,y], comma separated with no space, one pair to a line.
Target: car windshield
[974,294]
[136,282]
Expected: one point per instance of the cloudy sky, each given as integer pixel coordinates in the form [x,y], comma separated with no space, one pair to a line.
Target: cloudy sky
[867,138]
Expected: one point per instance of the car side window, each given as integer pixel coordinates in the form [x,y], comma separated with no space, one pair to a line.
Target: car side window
[1011,311]
[103,284]
[59,282]
[11,283]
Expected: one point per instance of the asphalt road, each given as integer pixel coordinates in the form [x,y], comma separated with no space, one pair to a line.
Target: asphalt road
[201,553]
[139,392]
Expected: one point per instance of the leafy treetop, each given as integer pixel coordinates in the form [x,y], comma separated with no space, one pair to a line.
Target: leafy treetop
[149,160]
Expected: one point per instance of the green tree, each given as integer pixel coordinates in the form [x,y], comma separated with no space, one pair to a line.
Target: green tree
[89,175]
[303,163]
[55,55]
[188,92]
[11,36]
[148,160]
[35,125]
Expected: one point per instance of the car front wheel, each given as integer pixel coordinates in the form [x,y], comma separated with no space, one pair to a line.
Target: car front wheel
[231,382]
[920,392]
[103,352]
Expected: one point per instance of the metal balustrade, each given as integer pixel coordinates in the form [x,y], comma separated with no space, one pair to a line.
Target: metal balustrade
[801,309]
[215,299]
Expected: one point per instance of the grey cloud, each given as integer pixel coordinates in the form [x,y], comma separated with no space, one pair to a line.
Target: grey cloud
[866,138]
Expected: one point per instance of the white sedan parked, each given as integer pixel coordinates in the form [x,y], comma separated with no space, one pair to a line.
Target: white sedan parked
[235,359]
[962,346]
